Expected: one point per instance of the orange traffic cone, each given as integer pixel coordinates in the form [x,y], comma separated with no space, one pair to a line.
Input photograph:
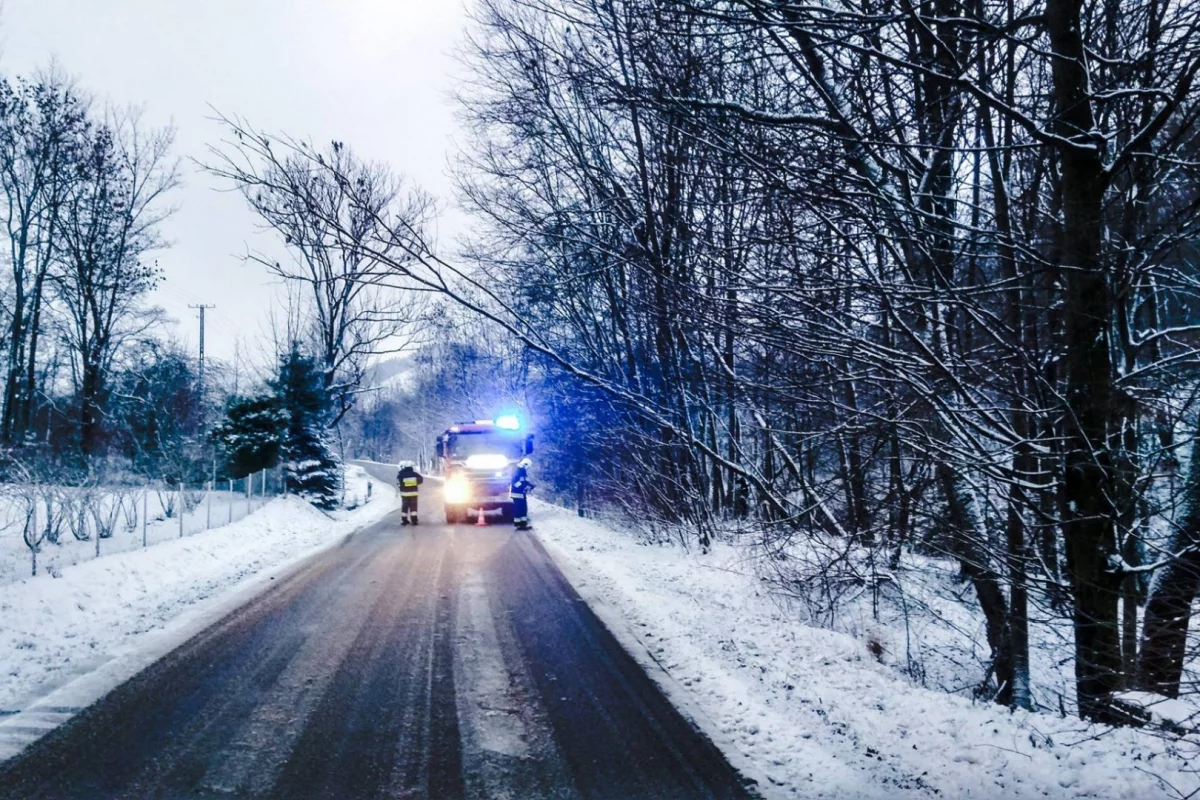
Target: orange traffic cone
[481,522]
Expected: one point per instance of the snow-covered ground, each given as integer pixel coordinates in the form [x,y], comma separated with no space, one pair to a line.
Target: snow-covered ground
[70,622]
[811,713]
[807,711]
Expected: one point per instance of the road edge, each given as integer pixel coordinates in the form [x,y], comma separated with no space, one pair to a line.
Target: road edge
[63,703]
[678,695]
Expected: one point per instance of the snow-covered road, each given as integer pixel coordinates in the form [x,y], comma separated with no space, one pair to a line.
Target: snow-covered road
[441,662]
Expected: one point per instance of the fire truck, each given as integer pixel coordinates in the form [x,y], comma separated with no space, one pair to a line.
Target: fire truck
[478,459]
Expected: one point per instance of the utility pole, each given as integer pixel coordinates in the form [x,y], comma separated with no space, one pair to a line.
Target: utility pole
[202,308]
[203,414]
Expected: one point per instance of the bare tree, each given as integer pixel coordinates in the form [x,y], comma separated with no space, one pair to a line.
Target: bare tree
[111,221]
[31,533]
[344,222]
[43,124]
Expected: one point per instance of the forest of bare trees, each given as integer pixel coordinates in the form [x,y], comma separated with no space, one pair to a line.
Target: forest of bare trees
[85,190]
[901,268]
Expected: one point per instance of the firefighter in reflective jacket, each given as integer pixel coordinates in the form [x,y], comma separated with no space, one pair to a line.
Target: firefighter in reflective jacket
[407,481]
[519,492]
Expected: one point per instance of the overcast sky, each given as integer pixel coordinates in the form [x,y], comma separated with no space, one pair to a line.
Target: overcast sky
[376,74]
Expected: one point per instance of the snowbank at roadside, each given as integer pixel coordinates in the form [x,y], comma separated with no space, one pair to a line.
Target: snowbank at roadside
[810,713]
[55,628]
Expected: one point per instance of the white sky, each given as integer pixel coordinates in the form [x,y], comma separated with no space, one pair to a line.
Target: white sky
[376,74]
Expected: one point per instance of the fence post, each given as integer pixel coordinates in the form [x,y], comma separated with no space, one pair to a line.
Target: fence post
[145,512]
[208,507]
[212,487]
[33,550]
[249,491]
[182,508]
[262,486]
[231,501]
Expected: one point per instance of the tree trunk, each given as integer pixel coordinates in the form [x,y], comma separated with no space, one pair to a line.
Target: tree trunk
[15,366]
[90,411]
[985,580]
[1169,606]
[1129,612]
[1089,529]
[1017,553]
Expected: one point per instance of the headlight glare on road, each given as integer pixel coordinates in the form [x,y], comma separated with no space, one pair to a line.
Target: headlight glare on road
[457,490]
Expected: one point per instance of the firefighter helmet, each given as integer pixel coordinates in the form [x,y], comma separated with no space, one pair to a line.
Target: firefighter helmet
[524,463]
[405,464]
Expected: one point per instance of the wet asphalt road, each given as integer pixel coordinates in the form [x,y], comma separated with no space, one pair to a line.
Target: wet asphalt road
[436,662]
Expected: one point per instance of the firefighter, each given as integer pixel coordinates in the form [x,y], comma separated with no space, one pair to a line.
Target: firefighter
[407,481]
[519,492]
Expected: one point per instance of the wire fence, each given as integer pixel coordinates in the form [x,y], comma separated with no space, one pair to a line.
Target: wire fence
[234,499]
[63,525]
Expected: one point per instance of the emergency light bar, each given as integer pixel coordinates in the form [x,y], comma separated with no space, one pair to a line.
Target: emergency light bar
[509,422]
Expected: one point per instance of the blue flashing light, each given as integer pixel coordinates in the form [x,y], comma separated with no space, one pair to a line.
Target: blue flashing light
[509,422]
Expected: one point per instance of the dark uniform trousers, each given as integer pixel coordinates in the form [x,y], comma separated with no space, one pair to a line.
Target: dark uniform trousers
[519,493]
[520,509]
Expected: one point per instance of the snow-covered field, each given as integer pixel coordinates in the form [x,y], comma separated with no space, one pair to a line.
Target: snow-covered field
[811,713]
[57,626]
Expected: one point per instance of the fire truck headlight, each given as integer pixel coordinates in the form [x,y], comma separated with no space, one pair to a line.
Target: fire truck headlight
[487,461]
[457,490]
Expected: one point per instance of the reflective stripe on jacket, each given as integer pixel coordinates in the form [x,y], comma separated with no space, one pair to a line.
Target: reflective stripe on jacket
[407,481]
[520,486]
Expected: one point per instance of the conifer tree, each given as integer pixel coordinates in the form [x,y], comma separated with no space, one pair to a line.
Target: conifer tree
[251,435]
[311,469]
